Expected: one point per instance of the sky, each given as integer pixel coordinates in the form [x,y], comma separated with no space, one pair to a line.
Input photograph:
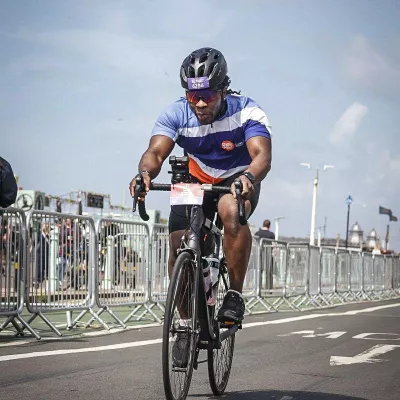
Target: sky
[82,83]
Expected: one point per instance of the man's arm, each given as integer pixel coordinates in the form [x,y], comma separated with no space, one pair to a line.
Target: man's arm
[159,149]
[259,148]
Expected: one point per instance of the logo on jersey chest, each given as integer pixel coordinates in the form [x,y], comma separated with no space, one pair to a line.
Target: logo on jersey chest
[227,145]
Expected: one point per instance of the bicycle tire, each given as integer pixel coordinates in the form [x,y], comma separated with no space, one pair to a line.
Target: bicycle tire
[220,360]
[182,285]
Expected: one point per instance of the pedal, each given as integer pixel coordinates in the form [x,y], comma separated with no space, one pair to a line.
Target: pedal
[178,369]
[230,324]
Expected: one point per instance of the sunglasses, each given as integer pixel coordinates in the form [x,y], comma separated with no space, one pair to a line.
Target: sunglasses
[207,95]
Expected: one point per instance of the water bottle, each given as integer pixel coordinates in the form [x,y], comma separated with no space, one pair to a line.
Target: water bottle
[207,280]
[214,273]
[210,273]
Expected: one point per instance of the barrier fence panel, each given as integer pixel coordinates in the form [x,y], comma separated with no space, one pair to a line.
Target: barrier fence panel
[368,275]
[250,284]
[13,242]
[121,277]
[314,271]
[159,277]
[272,273]
[388,278]
[396,274]
[60,264]
[297,274]
[328,274]
[343,273]
[356,275]
[379,274]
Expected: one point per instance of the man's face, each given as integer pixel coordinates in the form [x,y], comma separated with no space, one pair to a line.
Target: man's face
[205,108]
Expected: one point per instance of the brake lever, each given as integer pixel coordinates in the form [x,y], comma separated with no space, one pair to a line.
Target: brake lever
[139,187]
[238,192]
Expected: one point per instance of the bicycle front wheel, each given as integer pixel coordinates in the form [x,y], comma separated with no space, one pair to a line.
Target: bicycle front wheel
[180,329]
[220,360]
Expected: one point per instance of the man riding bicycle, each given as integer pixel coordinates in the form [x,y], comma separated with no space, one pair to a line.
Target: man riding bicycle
[227,137]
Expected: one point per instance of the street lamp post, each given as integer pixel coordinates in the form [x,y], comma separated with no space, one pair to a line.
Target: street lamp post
[349,200]
[277,227]
[314,201]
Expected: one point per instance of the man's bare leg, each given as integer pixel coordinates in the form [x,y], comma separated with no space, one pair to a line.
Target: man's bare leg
[237,241]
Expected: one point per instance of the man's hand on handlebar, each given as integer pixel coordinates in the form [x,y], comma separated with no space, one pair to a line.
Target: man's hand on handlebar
[247,187]
[146,181]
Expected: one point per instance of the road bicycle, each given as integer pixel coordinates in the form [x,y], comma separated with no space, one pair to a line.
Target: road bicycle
[191,310]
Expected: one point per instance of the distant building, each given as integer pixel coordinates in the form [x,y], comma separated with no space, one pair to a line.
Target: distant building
[372,240]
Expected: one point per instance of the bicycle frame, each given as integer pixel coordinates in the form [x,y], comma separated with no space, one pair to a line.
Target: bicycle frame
[192,245]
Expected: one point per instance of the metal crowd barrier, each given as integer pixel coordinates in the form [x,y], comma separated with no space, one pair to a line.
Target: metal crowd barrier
[13,246]
[272,274]
[159,277]
[328,274]
[121,273]
[61,262]
[356,276]
[60,267]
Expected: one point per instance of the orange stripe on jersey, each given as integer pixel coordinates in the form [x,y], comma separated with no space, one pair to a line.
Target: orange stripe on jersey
[199,174]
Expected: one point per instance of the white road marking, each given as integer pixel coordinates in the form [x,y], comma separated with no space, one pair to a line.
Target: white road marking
[365,336]
[364,357]
[355,312]
[147,342]
[311,334]
[82,350]
[87,334]
[17,343]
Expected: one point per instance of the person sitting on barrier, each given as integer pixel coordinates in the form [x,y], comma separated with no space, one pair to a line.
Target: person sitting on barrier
[264,232]
[227,138]
[8,184]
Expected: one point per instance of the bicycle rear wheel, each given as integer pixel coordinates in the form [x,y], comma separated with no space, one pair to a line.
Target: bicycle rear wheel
[180,323]
[220,360]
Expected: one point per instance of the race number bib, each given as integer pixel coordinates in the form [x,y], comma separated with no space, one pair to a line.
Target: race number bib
[186,193]
[198,83]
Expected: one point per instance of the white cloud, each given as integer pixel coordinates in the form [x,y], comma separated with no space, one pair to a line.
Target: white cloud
[285,192]
[370,147]
[368,68]
[348,123]
[392,164]
[386,170]
[127,54]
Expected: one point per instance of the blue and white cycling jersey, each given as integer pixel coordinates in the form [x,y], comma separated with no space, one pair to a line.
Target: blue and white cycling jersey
[218,150]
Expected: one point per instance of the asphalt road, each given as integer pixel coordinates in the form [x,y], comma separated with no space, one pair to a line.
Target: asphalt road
[346,353]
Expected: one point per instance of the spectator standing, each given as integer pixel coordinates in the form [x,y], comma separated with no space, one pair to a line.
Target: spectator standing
[42,254]
[264,232]
[8,184]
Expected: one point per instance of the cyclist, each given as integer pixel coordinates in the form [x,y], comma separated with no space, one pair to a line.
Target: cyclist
[227,137]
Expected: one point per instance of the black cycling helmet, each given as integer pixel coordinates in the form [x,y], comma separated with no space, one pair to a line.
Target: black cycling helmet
[205,62]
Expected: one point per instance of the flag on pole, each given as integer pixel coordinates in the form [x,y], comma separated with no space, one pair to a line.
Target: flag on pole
[386,211]
[393,218]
